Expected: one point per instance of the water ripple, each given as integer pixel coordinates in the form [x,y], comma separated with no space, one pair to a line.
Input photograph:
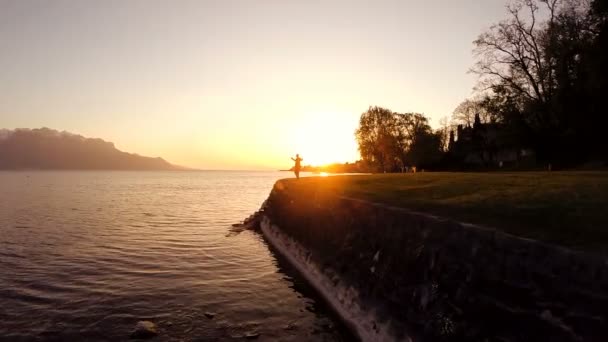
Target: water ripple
[85,255]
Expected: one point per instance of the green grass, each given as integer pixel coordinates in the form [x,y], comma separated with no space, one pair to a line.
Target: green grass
[565,208]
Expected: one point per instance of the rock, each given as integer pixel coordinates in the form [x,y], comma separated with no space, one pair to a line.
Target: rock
[252,335]
[291,326]
[144,329]
[376,256]
[209,315]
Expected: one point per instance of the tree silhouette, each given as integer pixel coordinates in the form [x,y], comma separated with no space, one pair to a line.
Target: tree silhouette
[539,69]
[392,141]
[375,136]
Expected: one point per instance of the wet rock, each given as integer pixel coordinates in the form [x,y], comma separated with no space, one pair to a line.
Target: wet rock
[144,329]
[209,315]
[252,335]
[291,326]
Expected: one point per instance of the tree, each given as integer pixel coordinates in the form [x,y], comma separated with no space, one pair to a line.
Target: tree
[425,150]
[541,71]
[375,136]
[597,86]
[511,55]
[446,132]
[391,141]
[408,129]
[465,112]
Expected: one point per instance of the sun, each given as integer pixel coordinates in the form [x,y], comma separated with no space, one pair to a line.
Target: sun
[323,138]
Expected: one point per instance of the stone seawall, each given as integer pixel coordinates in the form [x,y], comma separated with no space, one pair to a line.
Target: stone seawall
[393,274]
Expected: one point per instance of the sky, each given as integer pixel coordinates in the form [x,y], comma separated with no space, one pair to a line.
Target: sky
[233,84]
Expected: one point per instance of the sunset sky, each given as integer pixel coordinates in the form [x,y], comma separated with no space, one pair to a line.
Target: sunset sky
[233,84]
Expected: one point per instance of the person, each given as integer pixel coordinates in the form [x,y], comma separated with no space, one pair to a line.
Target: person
[297,167]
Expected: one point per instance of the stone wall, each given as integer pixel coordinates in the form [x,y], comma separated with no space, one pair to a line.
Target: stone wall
[413,276]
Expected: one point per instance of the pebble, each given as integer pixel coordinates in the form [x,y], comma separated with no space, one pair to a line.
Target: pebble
[144,329]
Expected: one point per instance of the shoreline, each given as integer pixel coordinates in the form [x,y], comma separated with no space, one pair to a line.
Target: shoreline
[341,300]
[395,274]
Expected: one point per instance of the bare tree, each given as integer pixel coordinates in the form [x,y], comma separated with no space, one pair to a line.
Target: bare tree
[511,53]
[445,130]
[467,109]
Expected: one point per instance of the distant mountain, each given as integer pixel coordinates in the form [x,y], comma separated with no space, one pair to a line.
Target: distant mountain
[48,149]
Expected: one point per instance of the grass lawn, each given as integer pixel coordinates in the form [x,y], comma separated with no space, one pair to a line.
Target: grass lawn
[566,208]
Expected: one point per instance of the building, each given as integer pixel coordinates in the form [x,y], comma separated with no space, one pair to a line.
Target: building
[488,145]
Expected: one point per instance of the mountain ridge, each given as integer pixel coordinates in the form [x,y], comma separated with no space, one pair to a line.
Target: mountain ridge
[49,149]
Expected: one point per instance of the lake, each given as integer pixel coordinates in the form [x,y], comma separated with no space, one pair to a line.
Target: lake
[85,255]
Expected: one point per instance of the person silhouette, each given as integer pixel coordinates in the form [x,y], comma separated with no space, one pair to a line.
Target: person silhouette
[297,167]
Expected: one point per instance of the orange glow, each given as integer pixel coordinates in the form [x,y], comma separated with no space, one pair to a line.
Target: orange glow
[211,85]
[324,137]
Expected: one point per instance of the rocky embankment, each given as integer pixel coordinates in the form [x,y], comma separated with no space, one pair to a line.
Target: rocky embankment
[393,274]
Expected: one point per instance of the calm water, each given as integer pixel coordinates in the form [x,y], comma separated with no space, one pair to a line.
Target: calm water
[85,255]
